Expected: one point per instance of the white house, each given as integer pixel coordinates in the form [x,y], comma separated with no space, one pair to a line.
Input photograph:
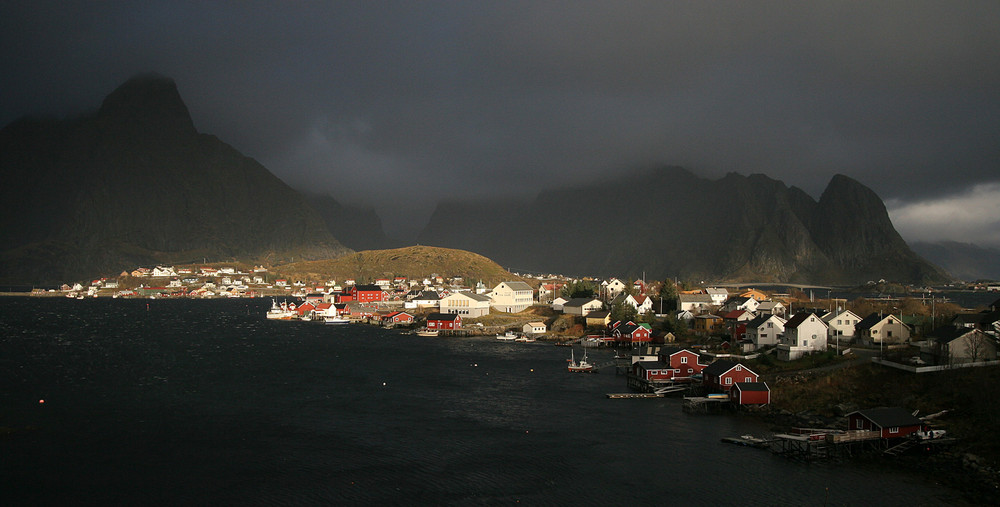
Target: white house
[765,330]
[805,333]
[694,303]
[613,287]
[164,271]
[741,303]
[582,306]
[512,297]
[771,308]
[534,328]
[876,329]
[841,324]
[719,295]
[641,303]
[557,303]
[427,299]
[466,304]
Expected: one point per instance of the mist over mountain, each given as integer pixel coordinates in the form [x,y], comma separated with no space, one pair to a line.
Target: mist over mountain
[670,223]
[965,261]
[135,184]
[358,228]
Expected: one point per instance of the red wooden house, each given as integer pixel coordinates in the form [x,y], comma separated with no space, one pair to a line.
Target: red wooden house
[891,422]
[398,318]
[367,293]
[444,321]
[305,309]
[750,393]
[632,333]
[684,361]
[722,374]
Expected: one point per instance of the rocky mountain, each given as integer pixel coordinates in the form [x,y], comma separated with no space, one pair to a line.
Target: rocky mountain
[671,223]
[965,261]
[136,184]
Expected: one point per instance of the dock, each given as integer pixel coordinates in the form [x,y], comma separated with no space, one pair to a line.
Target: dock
[703,404]
[616,396]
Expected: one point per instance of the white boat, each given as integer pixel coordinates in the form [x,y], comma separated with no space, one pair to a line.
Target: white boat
[509,336]
[427,332]
[280,312]
[524,339]
[336,320]
[580,367]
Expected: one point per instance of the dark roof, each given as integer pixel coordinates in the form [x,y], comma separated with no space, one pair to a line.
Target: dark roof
[967,318]
[996,305]
[600,314]
[948,334]
[868,322]
[719,367]
[578,302]
[799,318]
[751,386]
[653,365]
[442,316]
[368,288]
[428,295]
[889,417]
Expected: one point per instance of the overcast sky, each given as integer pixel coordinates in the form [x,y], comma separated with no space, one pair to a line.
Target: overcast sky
[367,100]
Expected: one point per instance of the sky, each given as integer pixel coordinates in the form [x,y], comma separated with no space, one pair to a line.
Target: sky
[399,105]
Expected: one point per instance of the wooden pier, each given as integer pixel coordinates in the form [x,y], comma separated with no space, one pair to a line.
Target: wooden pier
[634,395]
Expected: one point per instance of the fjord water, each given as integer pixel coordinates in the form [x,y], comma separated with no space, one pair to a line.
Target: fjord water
[206,402]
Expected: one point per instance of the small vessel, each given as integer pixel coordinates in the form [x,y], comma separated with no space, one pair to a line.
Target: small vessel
[280,312]
[509,336]
[579,367]
[427,332]
[336,319]
[524,339]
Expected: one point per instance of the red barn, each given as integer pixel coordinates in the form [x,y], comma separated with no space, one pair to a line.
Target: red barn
[444,321]
[750,393]
[891,422]
[684,361]
[723,373]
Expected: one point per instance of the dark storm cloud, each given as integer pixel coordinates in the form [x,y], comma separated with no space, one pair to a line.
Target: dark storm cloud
[471,98]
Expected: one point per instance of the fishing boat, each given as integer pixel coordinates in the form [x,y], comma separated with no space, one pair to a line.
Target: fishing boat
[524,339]
[280,312]
[579,367]
[427,332]
[335,319]
[509,336]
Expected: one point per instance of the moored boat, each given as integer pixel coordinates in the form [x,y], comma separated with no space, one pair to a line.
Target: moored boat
[427,332]
[579,367]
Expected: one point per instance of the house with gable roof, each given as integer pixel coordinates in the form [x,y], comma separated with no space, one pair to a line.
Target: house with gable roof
[878,329]
[890,422]
[718,295]
[805,333]
[466,303]
[842,324]
[765,330]
[694,303]
[613,287]
[582,306]
[685,362]
[723,373]
[954,345]
[512,297]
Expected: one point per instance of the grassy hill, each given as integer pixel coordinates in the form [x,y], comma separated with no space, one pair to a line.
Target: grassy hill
[414,262]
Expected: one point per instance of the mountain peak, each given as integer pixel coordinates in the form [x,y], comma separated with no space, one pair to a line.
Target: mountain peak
[148,103]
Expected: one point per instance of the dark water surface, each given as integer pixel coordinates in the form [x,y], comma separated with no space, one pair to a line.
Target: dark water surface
[207,403]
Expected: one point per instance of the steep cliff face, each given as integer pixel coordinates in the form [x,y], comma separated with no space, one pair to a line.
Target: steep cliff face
[669,223]
[357,228]
[135,183]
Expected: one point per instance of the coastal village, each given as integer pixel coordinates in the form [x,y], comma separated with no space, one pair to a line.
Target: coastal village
[721,348]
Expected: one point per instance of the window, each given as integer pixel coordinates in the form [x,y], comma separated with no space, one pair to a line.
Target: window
[684,360]
[894,430]
[729,381]
[805,343]
[747,379]
[889,333]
